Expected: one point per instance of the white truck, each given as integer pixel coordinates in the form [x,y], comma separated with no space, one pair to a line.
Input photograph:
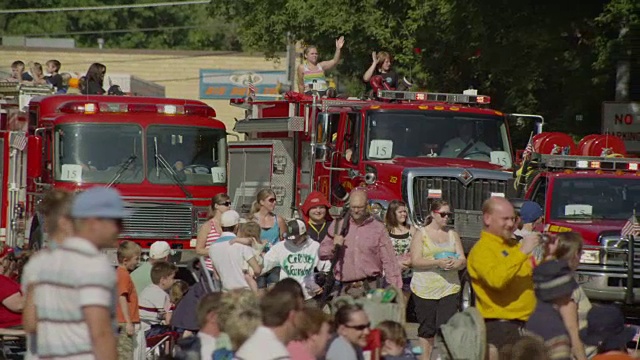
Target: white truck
[134,86]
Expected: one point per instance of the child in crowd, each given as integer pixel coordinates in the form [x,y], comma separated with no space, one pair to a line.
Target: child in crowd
[54,78]
[127,306]
[155,303]
[395,345]
[38,74]
[251,231]
[177,291]
[554,284]
[607,331]
[17,72]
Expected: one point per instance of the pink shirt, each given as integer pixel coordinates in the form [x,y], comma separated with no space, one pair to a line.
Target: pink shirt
[298,351]
[368,252]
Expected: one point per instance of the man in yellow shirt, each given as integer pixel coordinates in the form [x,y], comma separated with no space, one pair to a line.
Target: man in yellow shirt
[501,274]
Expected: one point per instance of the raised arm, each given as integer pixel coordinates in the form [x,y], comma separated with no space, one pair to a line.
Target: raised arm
[330,64]
[369,73]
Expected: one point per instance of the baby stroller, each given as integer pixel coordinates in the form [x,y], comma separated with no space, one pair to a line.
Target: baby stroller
[161,339]
[184,315]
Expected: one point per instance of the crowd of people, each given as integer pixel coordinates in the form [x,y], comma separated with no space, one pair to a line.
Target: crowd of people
[266,297]
[33,73]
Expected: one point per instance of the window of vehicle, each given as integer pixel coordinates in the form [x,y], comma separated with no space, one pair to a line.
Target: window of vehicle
[404,133]
[98,153]
[187,155]
[595,198]
[351,146]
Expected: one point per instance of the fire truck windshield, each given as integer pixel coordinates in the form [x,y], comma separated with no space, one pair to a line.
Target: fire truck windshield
[392,134]
[95,153]
[196,155]
[595,198]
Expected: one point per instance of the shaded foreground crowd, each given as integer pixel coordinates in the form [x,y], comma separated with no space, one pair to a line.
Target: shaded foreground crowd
[528,303]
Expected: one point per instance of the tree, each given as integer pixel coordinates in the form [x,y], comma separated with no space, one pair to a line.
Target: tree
[530,56]
[175,27]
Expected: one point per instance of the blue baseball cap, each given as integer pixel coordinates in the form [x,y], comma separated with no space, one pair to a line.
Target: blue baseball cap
[530,212]
[99,202]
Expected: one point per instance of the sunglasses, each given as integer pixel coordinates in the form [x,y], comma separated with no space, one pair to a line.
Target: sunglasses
[359,327]
[444,214]
[228,203]
[271,200]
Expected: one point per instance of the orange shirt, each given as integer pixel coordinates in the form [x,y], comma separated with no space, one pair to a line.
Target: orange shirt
[128,290]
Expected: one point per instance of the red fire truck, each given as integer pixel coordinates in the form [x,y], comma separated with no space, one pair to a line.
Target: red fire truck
[594,190]
[167,157]
[405,145]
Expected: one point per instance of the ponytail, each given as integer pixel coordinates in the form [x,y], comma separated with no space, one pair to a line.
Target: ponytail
[255,207]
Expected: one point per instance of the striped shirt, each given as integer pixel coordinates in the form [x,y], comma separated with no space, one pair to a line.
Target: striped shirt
[212,237]
[76,275]
[311,76]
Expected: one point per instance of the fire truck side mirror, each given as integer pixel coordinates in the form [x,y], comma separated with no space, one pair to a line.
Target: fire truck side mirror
[34,156]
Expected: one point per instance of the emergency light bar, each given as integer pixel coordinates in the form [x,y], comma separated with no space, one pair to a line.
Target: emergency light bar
[440,97]
[590,163]
[77,107]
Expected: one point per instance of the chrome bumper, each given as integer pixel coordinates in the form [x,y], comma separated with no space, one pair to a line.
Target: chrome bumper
[602,284]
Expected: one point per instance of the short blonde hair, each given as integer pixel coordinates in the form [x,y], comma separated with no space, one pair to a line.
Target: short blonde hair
[239,316]
[127,250]
[250,229]
[382,56]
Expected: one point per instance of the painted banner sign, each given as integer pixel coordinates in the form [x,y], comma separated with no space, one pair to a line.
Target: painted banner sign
[229,84]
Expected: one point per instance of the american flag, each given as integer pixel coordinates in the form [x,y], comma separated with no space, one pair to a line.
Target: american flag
[19,142]
[252,87]
[529,149]
[631,227]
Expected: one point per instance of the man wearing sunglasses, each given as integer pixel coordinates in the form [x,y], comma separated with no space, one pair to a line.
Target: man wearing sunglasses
[364,253]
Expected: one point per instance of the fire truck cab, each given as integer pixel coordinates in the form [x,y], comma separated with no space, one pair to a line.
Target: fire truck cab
[410,146]
[167,157]
[594,192]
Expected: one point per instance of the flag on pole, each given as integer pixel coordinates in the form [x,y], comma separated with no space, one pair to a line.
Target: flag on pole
[529,149]
[252,87]
[632,227]
[19,142]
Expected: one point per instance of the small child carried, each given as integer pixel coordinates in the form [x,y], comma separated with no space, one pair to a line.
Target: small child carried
[249,234]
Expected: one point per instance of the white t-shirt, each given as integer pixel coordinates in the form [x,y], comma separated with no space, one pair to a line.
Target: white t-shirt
[75,275]
[227,259]
[262,345]
[152,297]
[297,262]
[207,345]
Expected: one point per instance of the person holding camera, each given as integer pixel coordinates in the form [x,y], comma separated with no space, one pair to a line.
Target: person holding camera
[363,249]
[502,274]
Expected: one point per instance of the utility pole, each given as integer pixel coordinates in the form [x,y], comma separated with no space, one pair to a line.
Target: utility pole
[291,61]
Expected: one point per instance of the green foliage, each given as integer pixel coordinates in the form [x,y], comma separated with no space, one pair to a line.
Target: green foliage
[554,58]
[181,27]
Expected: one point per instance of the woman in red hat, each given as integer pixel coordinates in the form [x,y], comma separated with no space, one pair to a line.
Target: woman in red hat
[315,211]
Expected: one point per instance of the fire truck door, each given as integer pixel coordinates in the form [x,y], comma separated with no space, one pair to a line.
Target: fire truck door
[350,149]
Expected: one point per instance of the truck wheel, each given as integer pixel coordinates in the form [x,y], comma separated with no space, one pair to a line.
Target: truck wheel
[467,297]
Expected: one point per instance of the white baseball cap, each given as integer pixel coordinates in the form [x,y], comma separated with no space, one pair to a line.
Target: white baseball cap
[160,250]
[229,218]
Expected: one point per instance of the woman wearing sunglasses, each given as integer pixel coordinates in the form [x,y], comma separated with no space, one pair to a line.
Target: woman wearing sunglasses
[273,227]
[210,231]
[352,326]
[436,257]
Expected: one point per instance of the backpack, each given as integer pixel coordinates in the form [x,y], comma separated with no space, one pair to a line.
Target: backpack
[463,336]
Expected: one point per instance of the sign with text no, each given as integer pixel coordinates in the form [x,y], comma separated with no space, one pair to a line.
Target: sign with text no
[623,119]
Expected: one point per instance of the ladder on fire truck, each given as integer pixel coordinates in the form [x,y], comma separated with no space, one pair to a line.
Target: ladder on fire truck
[14,103]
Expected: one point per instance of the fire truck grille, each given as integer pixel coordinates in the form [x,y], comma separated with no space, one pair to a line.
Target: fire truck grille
[465,200]
[159,221]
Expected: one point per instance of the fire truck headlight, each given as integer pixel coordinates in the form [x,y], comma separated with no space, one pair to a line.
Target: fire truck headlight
[590,257]
[370,178]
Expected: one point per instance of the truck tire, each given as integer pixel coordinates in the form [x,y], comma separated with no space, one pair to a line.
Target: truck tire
[467,296]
